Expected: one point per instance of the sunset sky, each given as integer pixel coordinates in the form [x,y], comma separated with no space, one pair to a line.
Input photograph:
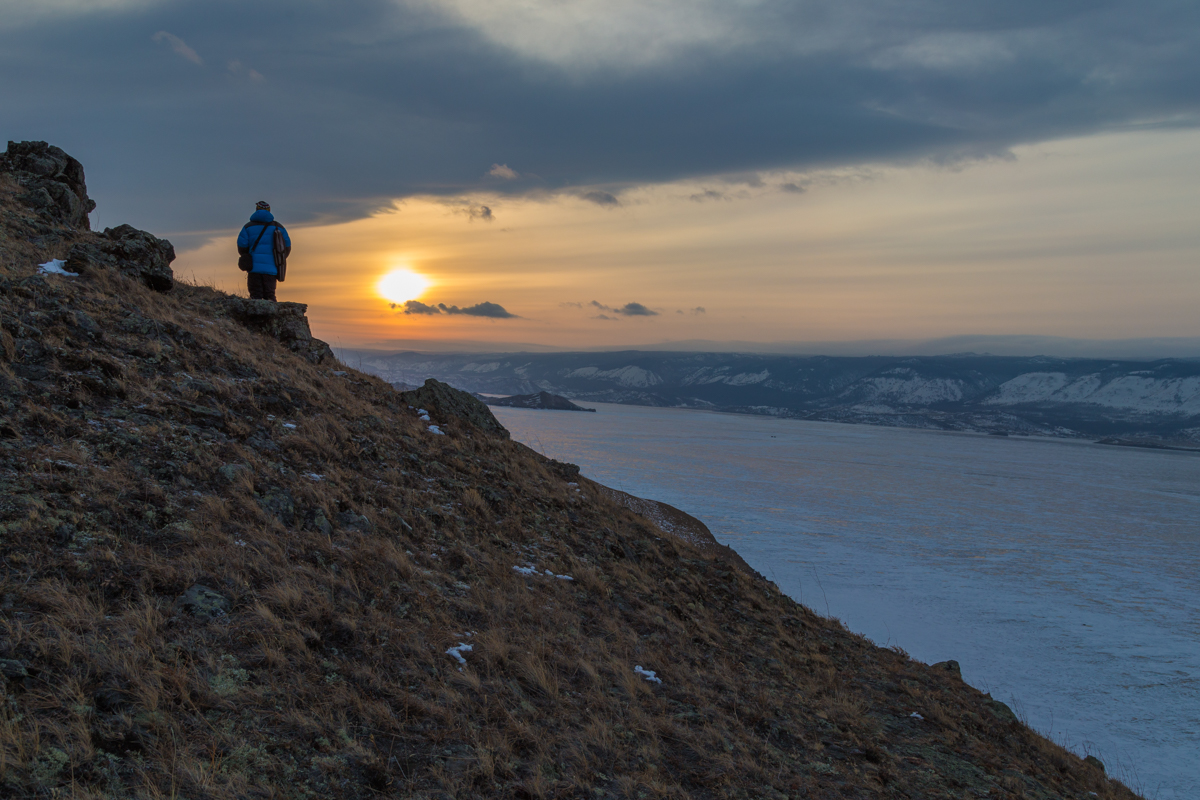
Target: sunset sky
[579,173]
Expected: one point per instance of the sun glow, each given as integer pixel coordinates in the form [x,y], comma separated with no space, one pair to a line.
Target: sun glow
[402,285]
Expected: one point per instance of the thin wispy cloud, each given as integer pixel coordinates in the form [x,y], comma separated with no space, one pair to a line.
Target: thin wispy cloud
[180,47]
[238,69]
[503,171]
[708,194]
[601,198]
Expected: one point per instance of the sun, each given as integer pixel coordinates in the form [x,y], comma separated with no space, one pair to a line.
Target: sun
[402,285]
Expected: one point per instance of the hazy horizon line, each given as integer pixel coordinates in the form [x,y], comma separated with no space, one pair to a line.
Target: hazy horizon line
[1140,349]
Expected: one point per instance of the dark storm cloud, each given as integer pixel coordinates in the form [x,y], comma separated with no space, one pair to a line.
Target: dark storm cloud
[489,310]
[635,310]
[484,309]
[190,111]
[417,307]
[627,310]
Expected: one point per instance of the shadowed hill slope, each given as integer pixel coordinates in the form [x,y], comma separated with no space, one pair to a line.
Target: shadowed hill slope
[233,568]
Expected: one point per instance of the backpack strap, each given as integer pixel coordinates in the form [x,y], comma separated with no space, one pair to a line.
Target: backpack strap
[265,225]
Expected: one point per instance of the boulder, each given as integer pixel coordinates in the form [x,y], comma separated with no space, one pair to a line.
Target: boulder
[285,322]
[445,401]
[138,254]
[1000,710]
[53,182]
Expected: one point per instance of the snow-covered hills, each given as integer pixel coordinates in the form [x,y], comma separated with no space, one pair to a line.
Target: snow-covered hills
[1031,395]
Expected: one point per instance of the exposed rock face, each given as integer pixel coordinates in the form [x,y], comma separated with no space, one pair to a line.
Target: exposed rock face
[541,400]
[135,252]
[283,321]
[55,191]
[446,401]
[53,182]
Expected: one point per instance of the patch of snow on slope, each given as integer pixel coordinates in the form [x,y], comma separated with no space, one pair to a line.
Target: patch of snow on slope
[473,367]
[624,376]
[1132,392]
[648,674]
[1181,395]
[912,390]
[705,375]
[1028,388]
[56,266]
[747,379]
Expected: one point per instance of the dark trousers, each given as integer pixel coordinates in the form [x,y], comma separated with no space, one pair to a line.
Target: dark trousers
[262,287]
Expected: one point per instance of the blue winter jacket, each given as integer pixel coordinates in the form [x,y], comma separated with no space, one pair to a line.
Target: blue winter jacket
[264,257]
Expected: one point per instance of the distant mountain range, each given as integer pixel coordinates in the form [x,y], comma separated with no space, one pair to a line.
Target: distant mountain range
[1148,402]
[1143,349]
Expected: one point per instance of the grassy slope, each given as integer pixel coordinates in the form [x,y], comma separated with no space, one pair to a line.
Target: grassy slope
[155,454]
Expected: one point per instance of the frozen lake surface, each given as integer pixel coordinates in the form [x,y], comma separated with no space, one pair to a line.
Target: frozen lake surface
[1061,575]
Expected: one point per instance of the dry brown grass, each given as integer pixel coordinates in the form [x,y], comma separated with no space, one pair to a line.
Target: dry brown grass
[328,676]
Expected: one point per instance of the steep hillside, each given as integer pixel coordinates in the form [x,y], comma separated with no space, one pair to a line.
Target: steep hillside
[234,568]
[1022,395]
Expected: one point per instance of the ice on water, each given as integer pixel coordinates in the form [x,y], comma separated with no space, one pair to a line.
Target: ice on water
[1059,574]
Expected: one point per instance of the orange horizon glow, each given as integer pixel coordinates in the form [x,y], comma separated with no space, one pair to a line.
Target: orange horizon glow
[1032,245]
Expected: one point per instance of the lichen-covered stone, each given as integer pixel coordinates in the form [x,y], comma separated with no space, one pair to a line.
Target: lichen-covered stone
[138,254]
[204,603]
[285,322]
[279,504]
[12,669]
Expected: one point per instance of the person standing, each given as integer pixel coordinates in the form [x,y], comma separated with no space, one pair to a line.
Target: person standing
[258,253]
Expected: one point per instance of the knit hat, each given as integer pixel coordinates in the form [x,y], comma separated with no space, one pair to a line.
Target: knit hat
[262,205]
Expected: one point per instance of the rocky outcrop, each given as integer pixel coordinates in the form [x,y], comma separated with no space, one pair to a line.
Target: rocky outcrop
[136,253]
[50,183]
[53,182]
[445,401]
[285,322]
[541,400]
